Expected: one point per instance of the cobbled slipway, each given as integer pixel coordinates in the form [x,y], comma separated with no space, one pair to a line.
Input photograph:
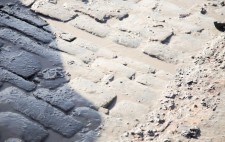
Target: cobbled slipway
[96,70]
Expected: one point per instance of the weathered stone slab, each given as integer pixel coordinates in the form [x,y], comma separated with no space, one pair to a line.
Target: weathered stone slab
[101,10]
[105,53]
[113,126]
[27,2]
[150,80]
[25,14]
[126,39]
[137,65]
[88,24]
[98,95]
[20,62]
[40,111]
[72,48]
[26,28]
[187,43]
[6,76]
[187,28]
[130,24]
[161,35]
[164,75]
[91,117]
[161,52]
[55,11]
[64,98]
[77,99]
[133,91]
[59,98]
[29,45]
[86,44]
[133,110]
[99,51]
[15,125]
[108,66]
[171,9]
[93,75]
[89,136]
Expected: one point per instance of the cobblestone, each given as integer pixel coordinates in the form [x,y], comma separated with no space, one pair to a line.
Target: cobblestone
[20,62]
[52,10]
[16,125]
[29,45]
[30,30]
[6,76]
[109,66]
[40,111]
[90,25]
[25,14]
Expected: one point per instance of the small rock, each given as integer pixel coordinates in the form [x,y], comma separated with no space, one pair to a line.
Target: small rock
[108,78]
[67,37]
[214,4]
[222,66]
[168,105]
[139,132]
[220,26]
[203,11]
[184,15]
[194,132]
[52,77]
[126,134]
[159,119]
[171,95]
[152,133]
[50,74]
[10,4]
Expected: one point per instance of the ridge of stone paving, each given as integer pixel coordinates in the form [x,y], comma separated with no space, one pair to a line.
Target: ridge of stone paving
[109,46]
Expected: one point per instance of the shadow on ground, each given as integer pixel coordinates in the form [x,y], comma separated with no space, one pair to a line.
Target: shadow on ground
[38,100]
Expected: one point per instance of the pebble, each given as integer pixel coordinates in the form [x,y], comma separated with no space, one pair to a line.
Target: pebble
[194,132]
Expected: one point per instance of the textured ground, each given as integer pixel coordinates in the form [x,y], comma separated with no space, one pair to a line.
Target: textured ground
[111,71]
